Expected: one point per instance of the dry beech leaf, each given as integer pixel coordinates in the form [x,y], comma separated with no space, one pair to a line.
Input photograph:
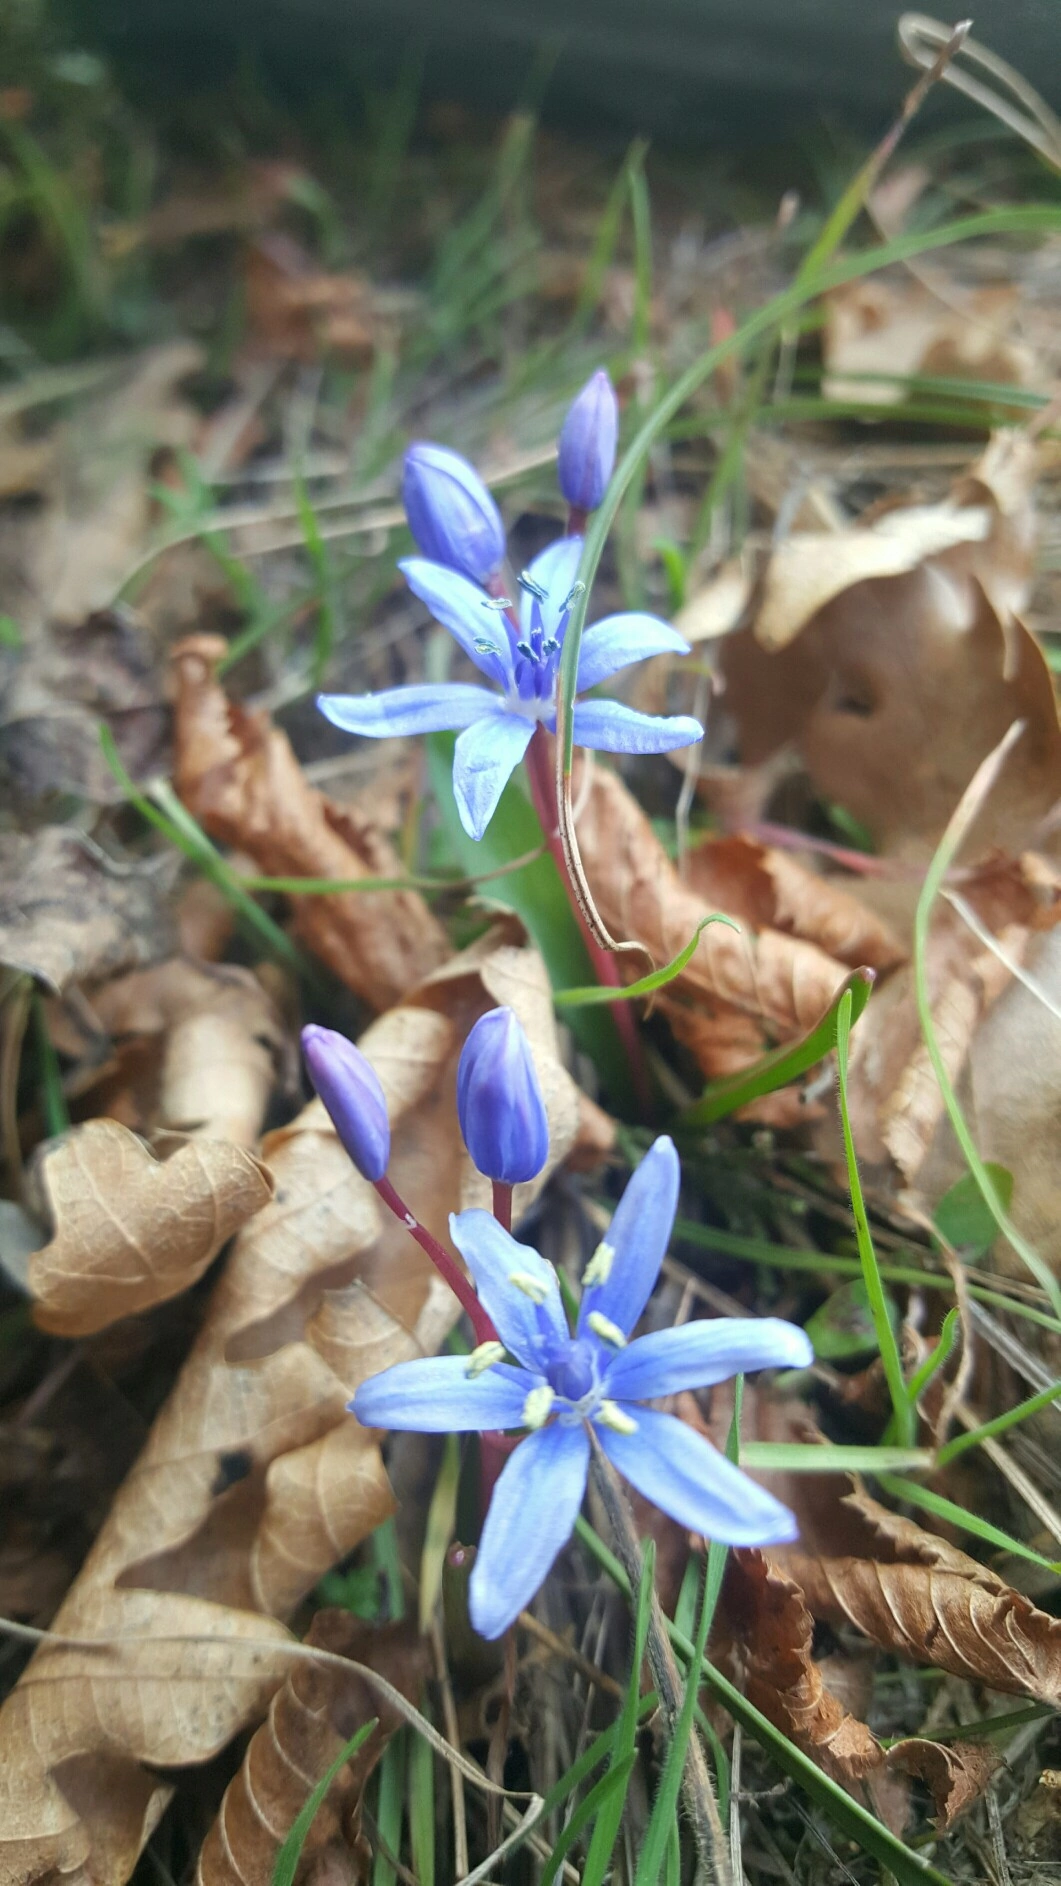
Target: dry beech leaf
[297,311]
[316,1711]
[67,915]
[254,1480]
[903,328]
[909,1591]
[222,1043]
[238,775]
[130,1231]
[741,990]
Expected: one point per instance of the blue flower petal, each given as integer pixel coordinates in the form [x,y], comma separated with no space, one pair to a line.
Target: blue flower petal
[617,641]
[532,1332]
[483,759]
[436,1397]
[699,1354]
[466,611]
[611,727]
[685,1476]
[554,571]
[638,1237]
[441,708]
[531,1516]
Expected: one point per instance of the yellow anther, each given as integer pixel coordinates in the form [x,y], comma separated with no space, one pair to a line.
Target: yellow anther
[537,1406]
[608,1331]
[532,1287]
[610,1415]
[484,1358]
[599,1268]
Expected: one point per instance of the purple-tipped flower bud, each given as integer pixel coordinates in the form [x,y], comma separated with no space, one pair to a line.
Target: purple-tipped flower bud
[499,1102]
[451,513]
[349,1087]
[587,443]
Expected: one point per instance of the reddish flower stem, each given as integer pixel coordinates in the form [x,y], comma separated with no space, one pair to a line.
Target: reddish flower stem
[503,1204]
[448,1270]
[543,793]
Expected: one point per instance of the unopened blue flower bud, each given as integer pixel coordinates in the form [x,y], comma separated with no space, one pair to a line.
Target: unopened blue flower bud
[499,1102]
[587,443]
[349,1086]
[451,513]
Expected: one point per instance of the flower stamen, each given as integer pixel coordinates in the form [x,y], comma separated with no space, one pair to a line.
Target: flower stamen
[538,1406]
[610,1415]
[608,1331]
[531,1286]
[484,1357]
[599,1268]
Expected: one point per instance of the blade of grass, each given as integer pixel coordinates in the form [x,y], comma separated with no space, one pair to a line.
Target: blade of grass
[602,1793]
[783,1065]
[328,613]
[941,1508]
[853,1820]
[969,805]
[948,1336]
[609,1816]
[441,1521]
[390,1803]
[903,1414]
[1001,1424]
[422,1809]
[783,1257]
[291,1851]
[53,1100]
[806,1457]
[646,985]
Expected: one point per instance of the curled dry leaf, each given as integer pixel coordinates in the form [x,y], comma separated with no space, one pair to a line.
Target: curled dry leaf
[69,914]
[222,1044]
[740,990]
[297,311]
[254,1479]
[768,1638]
[310,1718]
[130,1231]
[238,775]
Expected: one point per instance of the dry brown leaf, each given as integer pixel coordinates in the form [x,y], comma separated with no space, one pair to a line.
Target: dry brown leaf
[223,1044]
[909,1591]
[130,1232]
[957,1774]
[763,886]
[297,311]
[902,328]
[238,775]
[741,990]
[67,914]
[310,1718]
[254,1479]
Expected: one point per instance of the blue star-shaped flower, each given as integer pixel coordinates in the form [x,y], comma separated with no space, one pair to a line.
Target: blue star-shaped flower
[496,728]
[562,1383]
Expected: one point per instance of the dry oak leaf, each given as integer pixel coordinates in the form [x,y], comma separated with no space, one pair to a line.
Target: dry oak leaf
[741,990]
[222,1044]
[254,1479]
[68,914]
[130,1231]
[239,776]
[310,1718]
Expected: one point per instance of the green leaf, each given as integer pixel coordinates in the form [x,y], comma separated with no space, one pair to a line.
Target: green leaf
[291,1852]
[960,1516]
[783,1064]
[824,1457]
[964,1218]
[534,892]
[844,1326]
[609,1818]
[646,985]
